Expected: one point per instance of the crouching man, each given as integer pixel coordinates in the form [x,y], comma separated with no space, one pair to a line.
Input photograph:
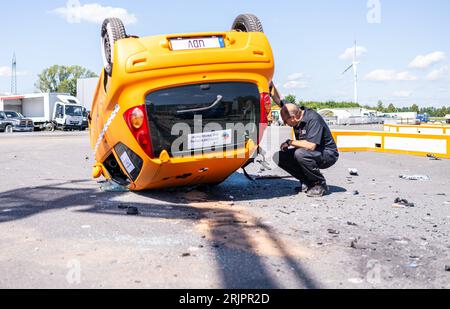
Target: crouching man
[314,149]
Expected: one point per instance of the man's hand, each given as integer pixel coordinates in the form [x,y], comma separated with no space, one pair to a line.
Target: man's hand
[285,146]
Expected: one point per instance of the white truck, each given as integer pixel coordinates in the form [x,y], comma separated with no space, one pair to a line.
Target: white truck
[48,111]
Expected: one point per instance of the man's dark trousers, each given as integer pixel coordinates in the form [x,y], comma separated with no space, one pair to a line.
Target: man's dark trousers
[305,165]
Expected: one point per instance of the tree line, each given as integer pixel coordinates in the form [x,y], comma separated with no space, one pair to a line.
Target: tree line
[63,79]
[437,112]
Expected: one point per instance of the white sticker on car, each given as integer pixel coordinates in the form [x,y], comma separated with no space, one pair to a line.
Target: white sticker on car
[129,166]
[209,139]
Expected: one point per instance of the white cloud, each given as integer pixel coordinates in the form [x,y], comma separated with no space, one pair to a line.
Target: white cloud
[295,84]
[402,94]
[424,61]
[406,76]
[439,73]
[349,52]
[295,76]
[389,75]
[94,13]
[6,71]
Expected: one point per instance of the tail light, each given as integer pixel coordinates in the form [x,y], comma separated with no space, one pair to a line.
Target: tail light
[266,107]
[136,119]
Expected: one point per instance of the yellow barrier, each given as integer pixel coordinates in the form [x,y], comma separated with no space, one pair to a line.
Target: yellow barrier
[399,143]
[438,129]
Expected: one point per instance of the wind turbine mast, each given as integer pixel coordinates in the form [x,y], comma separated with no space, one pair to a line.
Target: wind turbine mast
[354,65]
[14,75]
[355,72]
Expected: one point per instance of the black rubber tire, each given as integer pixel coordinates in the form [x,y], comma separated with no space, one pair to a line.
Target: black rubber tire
[113,30]
[9,129]
[247,23]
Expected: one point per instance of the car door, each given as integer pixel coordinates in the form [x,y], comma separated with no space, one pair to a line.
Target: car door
[59,114]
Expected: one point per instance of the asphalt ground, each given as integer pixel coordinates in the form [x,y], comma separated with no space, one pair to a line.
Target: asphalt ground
[59,230]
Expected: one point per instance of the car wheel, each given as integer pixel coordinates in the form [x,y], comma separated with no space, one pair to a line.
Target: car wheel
[112,31]
[49,127]
[9,129]
[247,23]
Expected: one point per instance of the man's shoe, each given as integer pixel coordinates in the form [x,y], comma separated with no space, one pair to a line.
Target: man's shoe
[302,188]
[317,191]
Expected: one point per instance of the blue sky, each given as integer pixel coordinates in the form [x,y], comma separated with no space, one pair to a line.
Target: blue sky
[404,50]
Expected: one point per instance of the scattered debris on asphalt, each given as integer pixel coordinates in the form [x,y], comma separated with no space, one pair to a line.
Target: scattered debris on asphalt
[447,267]
[433,157]
[285,212]
[353,172]
[185,255]
[415,177]
[412,266]
[111,186]
[132,211]
[402,203]
[355,244]
[352,223]
[333,232]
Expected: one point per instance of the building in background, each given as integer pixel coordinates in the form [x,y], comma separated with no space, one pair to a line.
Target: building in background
[85,91]
[350,116]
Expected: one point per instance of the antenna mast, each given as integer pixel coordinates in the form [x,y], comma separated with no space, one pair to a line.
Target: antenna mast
[355,71]
[14,75]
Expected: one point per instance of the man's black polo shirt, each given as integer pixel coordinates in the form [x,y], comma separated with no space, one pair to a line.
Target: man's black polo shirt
[313,128]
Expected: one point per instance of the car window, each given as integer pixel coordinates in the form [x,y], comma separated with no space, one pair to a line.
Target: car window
[224,104]
[74,110]
[12,115]
[59,111]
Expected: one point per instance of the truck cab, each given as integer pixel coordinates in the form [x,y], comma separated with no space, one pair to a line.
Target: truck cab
[68,114]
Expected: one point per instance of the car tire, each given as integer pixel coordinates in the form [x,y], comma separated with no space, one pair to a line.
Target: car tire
[247,23]
[9,129]
[113,30]
[49,127]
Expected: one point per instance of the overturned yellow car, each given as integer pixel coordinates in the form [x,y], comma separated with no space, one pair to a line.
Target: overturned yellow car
[181,109]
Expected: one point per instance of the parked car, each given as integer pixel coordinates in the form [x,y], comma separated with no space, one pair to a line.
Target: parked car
[85,122]
[15,122]
[181,109]
[5,124]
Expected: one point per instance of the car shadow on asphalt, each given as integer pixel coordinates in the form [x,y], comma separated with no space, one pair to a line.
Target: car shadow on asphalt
[240,189]
[230,237]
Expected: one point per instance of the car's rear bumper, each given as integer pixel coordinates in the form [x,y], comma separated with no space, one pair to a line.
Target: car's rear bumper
[179,172]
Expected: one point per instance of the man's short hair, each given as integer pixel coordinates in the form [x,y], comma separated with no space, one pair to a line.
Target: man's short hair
[290,110]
